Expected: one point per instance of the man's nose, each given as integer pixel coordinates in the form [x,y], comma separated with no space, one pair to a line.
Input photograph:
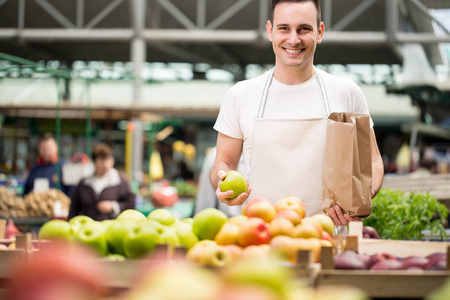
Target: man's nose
[294,38]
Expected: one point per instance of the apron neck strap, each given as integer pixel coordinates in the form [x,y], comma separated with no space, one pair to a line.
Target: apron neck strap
[265,93]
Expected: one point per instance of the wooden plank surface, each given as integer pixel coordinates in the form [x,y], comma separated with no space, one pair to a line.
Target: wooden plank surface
[386,284]
[437,185]
[401,248]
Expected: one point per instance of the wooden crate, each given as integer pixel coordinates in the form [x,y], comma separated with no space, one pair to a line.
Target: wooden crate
[386,284]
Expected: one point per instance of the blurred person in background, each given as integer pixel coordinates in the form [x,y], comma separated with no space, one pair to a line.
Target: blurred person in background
[105,194]
[427,167]
[277,120]
[206,195]
[46,167]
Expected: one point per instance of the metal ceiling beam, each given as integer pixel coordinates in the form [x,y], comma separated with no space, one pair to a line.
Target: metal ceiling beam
[101,15]
[424,10]
[352,15]
[208,36]
[177,14]
[55,14]
[227,14]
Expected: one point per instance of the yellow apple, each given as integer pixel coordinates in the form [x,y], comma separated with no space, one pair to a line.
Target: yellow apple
[238,220]
[262,209]
[235,251]
[306,231]
[256,251]
[284,246]
[291,203]
[227,235]
[326,222]
[281,226]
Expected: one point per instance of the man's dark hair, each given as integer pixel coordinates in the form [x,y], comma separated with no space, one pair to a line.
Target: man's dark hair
[45,137]
[315,2]
[101,151]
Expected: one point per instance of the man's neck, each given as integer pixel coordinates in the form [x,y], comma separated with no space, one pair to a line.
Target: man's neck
[291,76]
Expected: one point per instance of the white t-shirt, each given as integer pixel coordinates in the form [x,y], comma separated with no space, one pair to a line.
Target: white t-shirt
[302,101]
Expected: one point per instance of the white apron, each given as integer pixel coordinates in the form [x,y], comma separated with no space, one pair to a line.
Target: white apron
[287,155]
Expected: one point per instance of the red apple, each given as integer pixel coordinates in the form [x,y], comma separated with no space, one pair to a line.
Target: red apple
[254,231]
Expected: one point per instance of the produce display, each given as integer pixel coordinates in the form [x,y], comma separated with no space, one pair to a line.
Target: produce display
[210,237]
[398,215]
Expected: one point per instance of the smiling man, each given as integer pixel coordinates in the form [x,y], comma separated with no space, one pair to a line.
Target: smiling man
[278,119]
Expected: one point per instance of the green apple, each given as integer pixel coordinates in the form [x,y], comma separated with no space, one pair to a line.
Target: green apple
[168,236]
[115,257]
[235,182]
[162,215]
[79,220]
[116,233]
[141,240]
[131,214]
[56,230]
[92,234]
[188,221]
[185,234]
[106,223]
[208,222]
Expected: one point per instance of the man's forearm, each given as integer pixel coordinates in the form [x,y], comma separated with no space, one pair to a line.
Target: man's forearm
[377,175]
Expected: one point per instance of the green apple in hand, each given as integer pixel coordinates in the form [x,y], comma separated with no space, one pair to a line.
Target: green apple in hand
[208,222]
[141,240]
[162,215]
[235,182]
[131,214]
[56,230]
[116,233]
[92,235]
[79,220]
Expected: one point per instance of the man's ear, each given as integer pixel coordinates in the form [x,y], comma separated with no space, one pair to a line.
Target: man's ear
[269,29]
[320,32]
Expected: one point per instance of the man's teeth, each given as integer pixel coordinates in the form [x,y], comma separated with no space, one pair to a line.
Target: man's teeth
[293,51]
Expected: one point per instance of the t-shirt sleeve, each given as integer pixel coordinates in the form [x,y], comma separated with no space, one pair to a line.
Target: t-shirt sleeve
[228,120]
[358,101]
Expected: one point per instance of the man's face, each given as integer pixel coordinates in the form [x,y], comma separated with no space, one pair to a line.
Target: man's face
[294,34]
[103,165]
[48,150]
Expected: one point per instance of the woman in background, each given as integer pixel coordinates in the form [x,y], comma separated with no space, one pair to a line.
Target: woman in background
[105,194]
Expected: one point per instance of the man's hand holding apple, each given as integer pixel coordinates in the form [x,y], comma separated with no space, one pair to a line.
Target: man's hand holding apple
[233,190]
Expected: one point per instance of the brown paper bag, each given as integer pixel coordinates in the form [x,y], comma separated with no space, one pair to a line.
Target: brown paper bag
[347,165]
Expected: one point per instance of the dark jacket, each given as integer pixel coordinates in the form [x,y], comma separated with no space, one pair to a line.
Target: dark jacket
[41,170]
[84,199]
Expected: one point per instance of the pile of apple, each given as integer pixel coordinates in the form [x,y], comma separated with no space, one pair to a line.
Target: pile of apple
[349,260]
[262,229]
[130,235]
[74,273]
